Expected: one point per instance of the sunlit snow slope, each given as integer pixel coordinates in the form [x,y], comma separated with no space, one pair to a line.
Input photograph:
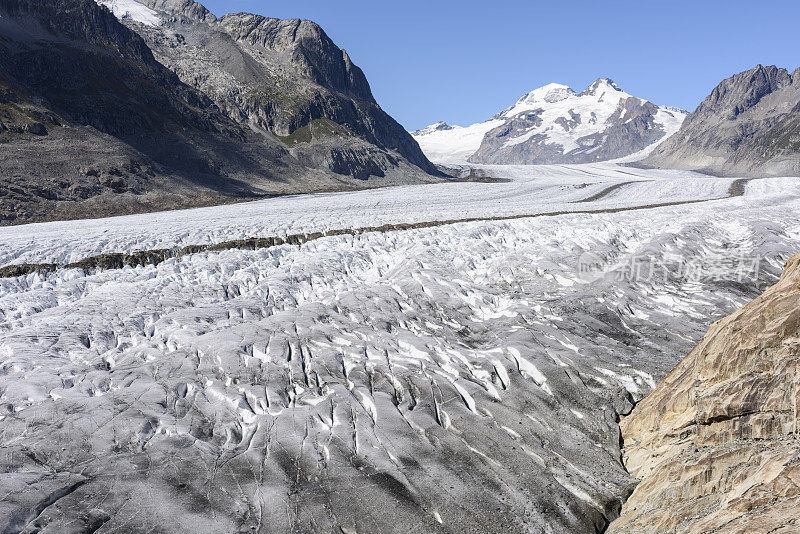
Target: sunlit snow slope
[131,9]
[459,378]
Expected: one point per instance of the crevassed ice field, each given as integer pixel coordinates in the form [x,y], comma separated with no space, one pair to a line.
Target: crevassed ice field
[458,378]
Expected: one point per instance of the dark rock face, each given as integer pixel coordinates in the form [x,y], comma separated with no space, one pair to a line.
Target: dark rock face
[92,123]
[750,123]
[117,88]
[82,20]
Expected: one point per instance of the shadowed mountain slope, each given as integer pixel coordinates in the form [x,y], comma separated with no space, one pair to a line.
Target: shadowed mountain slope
[92,124]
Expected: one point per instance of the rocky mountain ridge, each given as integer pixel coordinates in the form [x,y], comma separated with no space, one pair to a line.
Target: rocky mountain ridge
[749,124]
[278,76]
[555,124]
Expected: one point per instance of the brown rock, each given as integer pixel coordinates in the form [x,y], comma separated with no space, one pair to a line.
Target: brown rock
[716,445]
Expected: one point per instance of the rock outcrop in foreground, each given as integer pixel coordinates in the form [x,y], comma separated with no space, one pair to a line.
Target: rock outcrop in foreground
[716,444]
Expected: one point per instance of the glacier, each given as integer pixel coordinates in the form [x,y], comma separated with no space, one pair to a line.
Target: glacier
[456,378]
[133,10]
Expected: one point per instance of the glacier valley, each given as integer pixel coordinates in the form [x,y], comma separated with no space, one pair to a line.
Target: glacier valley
[466,377]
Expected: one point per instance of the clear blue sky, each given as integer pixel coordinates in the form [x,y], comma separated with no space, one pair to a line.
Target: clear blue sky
[463,61]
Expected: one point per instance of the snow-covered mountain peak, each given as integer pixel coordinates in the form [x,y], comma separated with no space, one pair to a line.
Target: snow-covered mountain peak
[440,126]
[550,93]
[601,85]
[554,124]
[602,97]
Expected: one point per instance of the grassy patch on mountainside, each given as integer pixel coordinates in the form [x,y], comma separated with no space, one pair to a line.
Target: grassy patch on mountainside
[20,116]
[316,129]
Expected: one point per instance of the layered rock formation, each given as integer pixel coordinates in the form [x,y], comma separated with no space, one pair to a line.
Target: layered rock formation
[716,444]
[749,124]
[93,124]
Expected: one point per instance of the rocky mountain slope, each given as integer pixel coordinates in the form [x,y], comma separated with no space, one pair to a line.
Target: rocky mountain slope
[716,444]
[749,124]
[92,123]
[286,77]
[554,124]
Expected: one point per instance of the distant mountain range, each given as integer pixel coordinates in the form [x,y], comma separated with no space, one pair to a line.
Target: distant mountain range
[749,124]
[554,124]
[162,105]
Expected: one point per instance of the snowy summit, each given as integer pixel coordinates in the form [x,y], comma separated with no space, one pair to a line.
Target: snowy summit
[554,124]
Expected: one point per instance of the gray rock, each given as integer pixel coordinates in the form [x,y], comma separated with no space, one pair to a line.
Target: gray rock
[275,75]
[749,124]
[36,128]
[186,8]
